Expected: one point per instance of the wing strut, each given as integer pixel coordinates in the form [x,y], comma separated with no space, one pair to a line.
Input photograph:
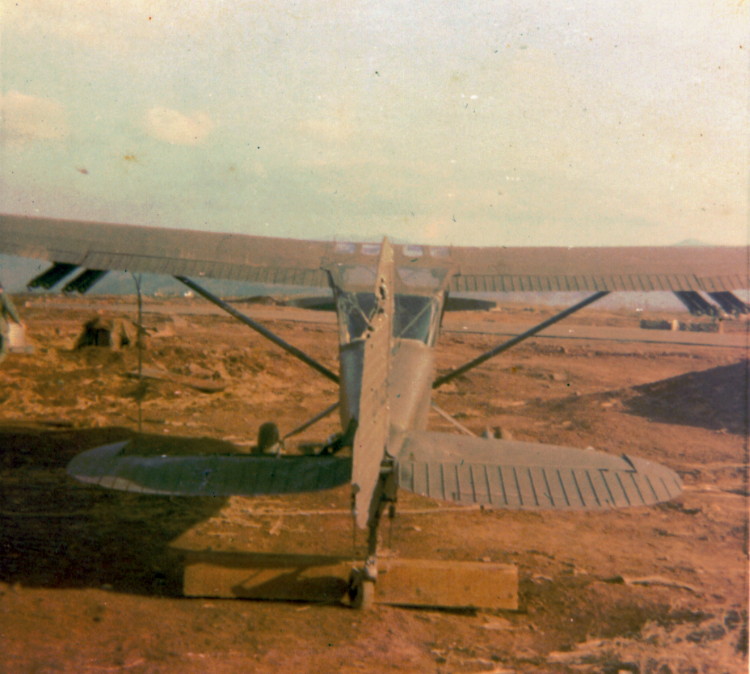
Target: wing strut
[455,422]
[313,420]
[517,339]
[265,332]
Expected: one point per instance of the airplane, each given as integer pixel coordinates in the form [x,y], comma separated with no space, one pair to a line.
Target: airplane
[390,301]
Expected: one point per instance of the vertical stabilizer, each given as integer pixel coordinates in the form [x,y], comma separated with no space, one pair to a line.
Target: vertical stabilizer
[374,414]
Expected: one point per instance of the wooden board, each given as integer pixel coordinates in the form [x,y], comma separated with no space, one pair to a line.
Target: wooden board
[423,582]
[317,578]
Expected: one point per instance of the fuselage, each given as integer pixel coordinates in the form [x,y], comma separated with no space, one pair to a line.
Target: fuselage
[388,320]
[410,366]
[411,372]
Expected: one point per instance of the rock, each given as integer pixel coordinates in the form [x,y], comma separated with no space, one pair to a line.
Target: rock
[496,432]
[114,333]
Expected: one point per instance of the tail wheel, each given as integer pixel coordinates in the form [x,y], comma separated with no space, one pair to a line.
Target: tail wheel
[268,438]
[361,590]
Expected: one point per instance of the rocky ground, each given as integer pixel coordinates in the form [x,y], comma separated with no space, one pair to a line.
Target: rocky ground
[90,580]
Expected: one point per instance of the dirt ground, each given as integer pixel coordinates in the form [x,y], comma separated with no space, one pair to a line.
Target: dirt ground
[90,580]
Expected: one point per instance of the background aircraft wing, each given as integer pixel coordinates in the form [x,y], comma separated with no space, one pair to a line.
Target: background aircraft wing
[179,252]
[527,475]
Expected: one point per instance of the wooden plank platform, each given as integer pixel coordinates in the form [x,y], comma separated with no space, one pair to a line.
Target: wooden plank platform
[266,576]
[318,578]
[445,584]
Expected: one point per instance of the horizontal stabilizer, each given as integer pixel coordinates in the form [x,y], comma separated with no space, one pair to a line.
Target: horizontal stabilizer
[327,303]
[528,476]
[208,475]
[468,304]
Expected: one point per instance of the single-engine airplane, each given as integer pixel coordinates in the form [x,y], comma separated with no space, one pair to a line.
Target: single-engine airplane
[390,301]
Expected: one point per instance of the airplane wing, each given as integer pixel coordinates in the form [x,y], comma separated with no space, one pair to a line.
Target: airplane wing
[208,475]
[528,475]
[589,269]
[179,252]
[160,250]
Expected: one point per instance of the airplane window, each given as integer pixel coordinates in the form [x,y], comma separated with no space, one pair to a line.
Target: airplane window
[371,248]
[357,309]
[357,275]
[346,247]
[412,319]
[412,279]
[419,278]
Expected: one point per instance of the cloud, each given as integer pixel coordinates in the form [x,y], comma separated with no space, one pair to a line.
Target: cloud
[109,26]
[25,118]
[337,128]
[177,128]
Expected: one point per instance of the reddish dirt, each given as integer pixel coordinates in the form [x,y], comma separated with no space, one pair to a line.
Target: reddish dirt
[90,580]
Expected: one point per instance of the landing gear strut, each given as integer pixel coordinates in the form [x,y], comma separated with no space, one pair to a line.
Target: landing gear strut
[361,590]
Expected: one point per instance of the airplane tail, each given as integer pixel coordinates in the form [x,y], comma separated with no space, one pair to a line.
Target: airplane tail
[528,476]
[469,471]
[373,420]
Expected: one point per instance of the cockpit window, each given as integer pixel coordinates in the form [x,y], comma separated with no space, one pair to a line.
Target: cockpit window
[355,310]
[418,301]
[413,319]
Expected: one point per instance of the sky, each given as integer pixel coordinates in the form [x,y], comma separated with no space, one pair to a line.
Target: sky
[484,122]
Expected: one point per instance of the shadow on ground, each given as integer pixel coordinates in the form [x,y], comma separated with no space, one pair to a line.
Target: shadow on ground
[57,533]
[716,399]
